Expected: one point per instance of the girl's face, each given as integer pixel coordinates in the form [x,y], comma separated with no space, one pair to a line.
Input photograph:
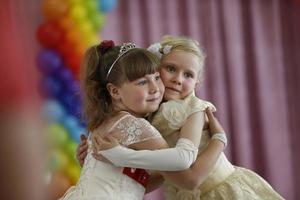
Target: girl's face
[179,73]
[143,95]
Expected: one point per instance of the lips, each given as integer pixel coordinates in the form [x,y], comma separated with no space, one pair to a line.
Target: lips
[154,99]
[173,89]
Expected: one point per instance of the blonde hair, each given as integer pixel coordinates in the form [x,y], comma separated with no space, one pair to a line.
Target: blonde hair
[181,43]
[97,102]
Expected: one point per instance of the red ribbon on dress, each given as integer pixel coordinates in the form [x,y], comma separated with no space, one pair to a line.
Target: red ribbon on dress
[139,175]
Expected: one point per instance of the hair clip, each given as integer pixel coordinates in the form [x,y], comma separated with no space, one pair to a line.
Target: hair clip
[105,45]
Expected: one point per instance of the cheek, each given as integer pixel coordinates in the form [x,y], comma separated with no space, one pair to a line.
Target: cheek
[189,85]
[161,87]
[139,96]
[164,77]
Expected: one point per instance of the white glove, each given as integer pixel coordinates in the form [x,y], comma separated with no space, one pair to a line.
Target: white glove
[178,158]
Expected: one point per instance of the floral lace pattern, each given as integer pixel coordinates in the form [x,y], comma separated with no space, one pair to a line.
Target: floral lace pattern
[135,130]
[99,180]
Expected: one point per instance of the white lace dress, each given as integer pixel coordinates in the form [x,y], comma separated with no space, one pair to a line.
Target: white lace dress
[102,181]
[225,181]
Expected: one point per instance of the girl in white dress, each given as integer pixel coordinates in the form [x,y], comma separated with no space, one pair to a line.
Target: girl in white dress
[181,69]
[121,85]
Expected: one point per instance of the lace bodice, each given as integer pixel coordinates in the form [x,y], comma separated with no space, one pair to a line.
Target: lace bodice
[99,180]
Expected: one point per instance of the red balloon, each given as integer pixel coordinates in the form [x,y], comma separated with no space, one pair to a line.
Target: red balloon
[66,48]
[49,34]
[73,62]
[55,9]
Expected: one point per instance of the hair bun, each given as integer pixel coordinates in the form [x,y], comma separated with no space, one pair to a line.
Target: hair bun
[105,45]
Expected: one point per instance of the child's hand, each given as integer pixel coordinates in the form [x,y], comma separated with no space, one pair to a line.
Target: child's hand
[214,125]
[82,148]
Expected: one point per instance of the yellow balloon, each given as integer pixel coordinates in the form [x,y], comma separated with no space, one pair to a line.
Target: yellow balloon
[91,39]
[73,172]
[86,28]
[78,12]
[74,1]
[58,160]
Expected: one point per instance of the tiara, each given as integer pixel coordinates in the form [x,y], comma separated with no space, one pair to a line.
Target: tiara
[123,50]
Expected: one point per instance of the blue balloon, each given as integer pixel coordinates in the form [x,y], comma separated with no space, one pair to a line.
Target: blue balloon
[53,111]
[49,61]
[51,86]
[72,125]
[76,132]
[107,5]
[73,87]
[70,102]
[70,122]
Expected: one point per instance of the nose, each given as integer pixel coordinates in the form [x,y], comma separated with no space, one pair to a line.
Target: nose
[153,87]
[177,79]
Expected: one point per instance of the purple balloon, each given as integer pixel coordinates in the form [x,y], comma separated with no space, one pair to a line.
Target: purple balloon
[51,86]
[49,61]
[65,75]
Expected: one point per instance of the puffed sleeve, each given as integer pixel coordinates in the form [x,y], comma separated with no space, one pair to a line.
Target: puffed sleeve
[135,130]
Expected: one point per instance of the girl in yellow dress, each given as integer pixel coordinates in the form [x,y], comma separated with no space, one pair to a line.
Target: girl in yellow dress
[181,69]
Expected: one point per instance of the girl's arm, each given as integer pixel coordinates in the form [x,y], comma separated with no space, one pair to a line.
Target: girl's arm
[194,176]
[197,173]
[171,159]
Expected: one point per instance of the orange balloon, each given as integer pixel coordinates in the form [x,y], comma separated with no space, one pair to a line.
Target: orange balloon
[80,49]
[73,36]
[59,184]
[54,9]
[67,23]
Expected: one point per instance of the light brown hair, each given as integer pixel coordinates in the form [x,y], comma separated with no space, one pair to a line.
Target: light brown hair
[97,102]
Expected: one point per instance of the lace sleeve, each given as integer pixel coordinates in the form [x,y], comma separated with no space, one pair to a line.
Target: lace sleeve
[135,130]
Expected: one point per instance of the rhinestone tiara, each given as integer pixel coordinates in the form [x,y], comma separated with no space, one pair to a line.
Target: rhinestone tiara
[123,50]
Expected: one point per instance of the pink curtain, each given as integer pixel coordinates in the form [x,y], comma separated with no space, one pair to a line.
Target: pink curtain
[252,72]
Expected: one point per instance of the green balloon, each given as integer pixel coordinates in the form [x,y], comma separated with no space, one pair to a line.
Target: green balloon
[56,135]
[70,148]
[98,20]
[91,5]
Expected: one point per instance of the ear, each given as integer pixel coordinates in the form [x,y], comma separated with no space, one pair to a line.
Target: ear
[197,83]
[113,91]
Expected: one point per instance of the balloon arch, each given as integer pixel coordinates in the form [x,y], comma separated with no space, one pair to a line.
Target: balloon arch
[70,27]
